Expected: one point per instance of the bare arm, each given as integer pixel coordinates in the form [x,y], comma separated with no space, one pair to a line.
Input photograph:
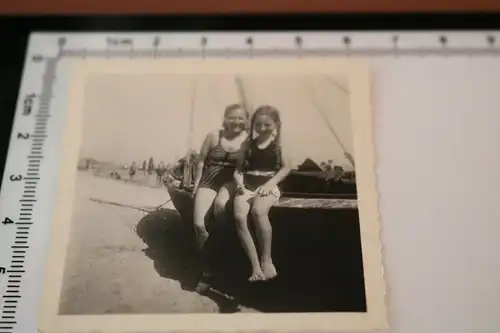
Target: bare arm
[205,147]
[238,171]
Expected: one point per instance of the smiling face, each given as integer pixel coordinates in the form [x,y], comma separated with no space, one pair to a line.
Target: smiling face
[235,120]
[264,125]
[266,122]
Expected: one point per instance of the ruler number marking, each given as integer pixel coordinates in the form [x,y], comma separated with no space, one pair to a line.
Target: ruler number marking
[12,294]
[12,291]
[24,136]
[7,221]
[15,178]
[37,58]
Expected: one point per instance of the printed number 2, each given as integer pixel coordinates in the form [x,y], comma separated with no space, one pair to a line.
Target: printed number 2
[24,136]
[16,178]
[7,221]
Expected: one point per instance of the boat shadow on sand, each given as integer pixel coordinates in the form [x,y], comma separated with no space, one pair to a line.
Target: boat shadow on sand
[317,254]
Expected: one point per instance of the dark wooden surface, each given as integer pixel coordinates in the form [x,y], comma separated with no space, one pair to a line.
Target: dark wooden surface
[243,6]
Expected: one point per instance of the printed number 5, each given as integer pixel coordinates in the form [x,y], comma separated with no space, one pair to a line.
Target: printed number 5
[15,178]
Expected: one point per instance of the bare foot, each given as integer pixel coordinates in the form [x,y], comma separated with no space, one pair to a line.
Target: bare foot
[257,275]
[269,270]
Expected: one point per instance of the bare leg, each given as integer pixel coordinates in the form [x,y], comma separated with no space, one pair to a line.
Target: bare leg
[260,214]
[214,246]
[241,209]
[225,194]
[202,203]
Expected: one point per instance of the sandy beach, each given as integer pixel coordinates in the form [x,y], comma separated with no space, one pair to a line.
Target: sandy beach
[107,268]
[125,257]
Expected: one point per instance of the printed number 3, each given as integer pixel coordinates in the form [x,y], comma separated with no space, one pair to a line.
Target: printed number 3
[16,178]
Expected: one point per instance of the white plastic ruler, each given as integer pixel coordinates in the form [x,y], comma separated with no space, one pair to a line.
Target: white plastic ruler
[31,170]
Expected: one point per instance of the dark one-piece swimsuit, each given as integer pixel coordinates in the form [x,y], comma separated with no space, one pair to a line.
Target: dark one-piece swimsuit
[219,167]
[266,159]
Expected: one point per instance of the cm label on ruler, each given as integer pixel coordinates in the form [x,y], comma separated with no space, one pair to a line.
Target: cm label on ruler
[22,223]
[27,108]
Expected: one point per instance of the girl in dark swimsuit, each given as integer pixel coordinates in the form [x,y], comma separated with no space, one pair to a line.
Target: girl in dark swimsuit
[259,171]
[214,174]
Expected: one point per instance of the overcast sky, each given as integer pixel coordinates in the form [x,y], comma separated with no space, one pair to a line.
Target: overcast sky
[132,117]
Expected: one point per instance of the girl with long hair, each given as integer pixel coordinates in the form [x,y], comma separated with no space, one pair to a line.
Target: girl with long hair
[260,169]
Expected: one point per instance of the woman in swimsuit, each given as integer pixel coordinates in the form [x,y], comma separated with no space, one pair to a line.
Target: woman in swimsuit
[213,184]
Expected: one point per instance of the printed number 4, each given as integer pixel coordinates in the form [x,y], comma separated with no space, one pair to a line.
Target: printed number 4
[7,221]
[2,270]
[16,178]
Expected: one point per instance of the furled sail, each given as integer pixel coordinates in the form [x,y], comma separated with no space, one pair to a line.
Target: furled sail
[322,113]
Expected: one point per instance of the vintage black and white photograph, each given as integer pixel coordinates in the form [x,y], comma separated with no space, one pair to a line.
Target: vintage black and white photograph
[228,190]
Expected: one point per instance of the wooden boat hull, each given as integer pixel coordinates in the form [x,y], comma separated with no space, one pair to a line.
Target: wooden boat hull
[183,201]
[316,233]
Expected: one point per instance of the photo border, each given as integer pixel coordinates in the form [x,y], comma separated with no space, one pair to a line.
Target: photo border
[358,74]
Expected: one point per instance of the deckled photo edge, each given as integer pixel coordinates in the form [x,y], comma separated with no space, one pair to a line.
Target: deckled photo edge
[358,75]
[60,226]
[368,191]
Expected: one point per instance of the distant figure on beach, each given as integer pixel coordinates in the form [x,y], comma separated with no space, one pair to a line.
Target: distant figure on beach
[160,172]
[151,166]
[260,169]
[144,167]
[115,175]
[213,185]
[132,170]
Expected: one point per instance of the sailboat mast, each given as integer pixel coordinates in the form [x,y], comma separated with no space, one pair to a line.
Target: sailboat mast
[243,96]
[187,170]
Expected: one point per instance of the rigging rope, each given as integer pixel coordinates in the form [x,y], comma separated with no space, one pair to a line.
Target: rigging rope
[325,119]
[191,116]
[336,84]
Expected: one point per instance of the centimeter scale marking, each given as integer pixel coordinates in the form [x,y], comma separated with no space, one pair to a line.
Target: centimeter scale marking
[124,47]
[11,295]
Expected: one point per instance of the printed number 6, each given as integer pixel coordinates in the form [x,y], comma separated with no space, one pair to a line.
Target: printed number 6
[15,178]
